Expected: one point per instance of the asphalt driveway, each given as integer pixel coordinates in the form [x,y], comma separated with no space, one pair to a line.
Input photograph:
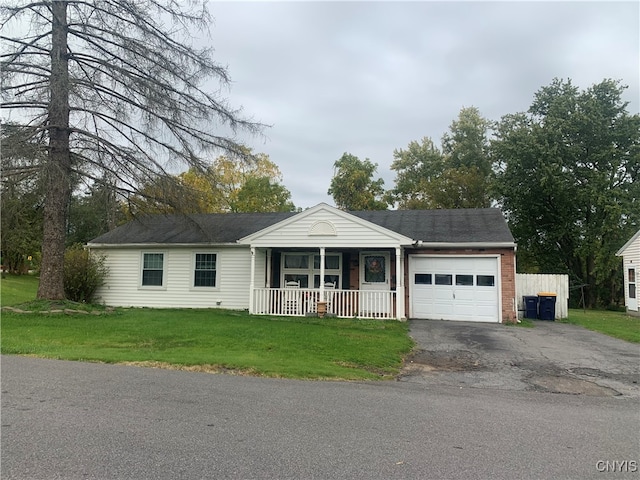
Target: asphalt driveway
[551,357]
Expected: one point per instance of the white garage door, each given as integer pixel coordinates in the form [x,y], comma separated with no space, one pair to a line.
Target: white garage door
[455,288]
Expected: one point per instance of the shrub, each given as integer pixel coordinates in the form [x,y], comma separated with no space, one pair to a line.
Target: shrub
[83,273]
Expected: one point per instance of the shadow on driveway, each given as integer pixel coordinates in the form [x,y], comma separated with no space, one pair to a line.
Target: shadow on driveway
[551,357]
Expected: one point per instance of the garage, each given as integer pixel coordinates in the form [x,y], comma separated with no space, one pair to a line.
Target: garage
[464,288]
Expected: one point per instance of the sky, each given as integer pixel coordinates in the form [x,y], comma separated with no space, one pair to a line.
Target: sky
[368,78]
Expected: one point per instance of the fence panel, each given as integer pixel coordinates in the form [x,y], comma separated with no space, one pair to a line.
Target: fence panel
[530,284]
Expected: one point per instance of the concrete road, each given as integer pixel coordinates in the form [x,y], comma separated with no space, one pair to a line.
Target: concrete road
[71,420]
[552,357]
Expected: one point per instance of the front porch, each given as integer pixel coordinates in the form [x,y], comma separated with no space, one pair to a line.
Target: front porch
[324,255]
[379,304]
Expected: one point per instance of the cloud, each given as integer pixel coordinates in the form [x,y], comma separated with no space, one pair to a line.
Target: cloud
[369,77]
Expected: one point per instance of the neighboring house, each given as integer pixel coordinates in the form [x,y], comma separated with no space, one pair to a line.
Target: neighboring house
[438,264]
[630,254]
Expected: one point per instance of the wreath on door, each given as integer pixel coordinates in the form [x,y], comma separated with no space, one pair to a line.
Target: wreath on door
[374,269]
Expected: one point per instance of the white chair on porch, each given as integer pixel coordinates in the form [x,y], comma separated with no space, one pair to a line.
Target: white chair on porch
[329,288]
[291,301]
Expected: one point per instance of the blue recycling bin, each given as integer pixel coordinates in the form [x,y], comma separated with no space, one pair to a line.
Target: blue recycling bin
[530,306]
[547,306]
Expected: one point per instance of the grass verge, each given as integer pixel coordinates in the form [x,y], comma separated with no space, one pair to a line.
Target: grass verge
[615,324]
[209,340]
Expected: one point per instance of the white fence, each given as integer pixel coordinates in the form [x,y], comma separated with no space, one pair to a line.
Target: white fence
[528,284]
[340,303]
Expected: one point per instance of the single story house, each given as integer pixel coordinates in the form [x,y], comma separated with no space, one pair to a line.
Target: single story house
[436,264]
[630,254]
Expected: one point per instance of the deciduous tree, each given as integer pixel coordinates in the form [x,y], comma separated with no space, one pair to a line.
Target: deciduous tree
[458,175]
[353,187]
[230,184]
[113,87]
[569,182]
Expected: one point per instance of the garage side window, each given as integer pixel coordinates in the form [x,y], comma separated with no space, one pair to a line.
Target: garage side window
[205,270]
[632,283]
[152,269]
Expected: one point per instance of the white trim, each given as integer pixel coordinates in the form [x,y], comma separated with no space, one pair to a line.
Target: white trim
[421,244]
[252,277]
[400,313]
[163,245]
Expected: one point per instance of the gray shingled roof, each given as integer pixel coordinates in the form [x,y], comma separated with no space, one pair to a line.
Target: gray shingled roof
[483,225]
[486,225]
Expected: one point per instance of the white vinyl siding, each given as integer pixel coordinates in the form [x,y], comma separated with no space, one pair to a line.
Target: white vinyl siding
[631,261]
[123,282]
[350,232]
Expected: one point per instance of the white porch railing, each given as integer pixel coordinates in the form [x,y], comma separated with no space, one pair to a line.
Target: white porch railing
[340,303]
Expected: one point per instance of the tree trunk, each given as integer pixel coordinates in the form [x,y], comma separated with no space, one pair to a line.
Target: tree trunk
[58,165]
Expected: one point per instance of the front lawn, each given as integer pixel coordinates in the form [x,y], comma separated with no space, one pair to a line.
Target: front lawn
[16,289]
[615,324]
[209,340]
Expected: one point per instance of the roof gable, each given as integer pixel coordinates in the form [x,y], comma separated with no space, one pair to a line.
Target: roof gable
[631,241]
[328,226]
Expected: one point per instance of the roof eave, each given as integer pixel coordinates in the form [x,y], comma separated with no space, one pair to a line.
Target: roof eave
[162,245]
[421,244]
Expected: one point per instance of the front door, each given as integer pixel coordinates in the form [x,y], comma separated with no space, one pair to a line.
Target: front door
[374,283]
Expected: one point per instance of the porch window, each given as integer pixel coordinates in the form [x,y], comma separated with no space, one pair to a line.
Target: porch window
[305,268]
[152,269]
[205,270]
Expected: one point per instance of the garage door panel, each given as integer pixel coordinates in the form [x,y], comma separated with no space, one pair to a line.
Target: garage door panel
[454,288]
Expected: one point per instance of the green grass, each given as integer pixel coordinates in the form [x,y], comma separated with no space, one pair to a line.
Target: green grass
[15,289]
[209,340]
[615,324]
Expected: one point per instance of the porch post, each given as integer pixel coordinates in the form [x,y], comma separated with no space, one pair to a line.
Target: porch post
[322,252]
[252,279]
[268,268]
[400,314]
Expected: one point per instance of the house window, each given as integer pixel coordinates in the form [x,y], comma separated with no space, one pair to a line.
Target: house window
[205,270]
[632,282]
[305,268]
[152,269]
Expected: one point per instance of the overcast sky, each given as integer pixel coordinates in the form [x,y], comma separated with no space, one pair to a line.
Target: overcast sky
[369,77]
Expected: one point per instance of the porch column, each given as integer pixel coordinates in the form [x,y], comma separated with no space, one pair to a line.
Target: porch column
[400,314]
[252,279]
[322,252]
[268,268]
